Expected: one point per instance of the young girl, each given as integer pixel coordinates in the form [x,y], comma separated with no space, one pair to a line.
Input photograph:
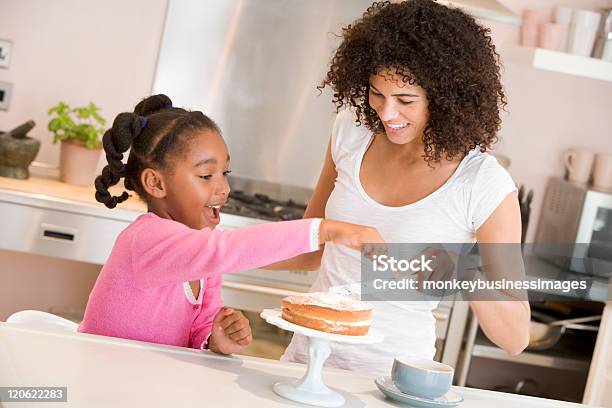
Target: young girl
[162,281]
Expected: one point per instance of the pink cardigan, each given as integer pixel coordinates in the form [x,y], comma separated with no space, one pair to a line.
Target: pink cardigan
[140,293]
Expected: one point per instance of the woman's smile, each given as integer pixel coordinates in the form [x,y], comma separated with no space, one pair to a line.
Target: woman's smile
[395,131]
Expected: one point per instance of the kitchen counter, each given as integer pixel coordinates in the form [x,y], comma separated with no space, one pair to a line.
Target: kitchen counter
[103,371]
[53,188]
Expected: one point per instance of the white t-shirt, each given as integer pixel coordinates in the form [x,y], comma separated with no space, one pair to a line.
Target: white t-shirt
[451,214]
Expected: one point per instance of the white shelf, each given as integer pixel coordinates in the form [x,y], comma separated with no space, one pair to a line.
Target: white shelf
[558,62]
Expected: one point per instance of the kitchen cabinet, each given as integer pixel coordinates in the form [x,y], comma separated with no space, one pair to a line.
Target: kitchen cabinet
[45,230]
[599,382]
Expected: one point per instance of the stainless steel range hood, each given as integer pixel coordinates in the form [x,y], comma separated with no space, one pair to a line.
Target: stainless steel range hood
[485,9]
[254,67]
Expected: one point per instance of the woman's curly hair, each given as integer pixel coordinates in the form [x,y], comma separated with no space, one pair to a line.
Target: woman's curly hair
[441,49]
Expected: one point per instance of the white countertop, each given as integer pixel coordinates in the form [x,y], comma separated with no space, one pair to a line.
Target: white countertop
[108,372]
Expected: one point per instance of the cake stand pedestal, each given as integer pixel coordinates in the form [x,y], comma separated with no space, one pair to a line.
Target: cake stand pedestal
[310,389]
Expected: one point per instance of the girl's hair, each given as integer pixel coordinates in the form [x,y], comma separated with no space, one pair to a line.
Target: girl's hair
[441,49]
[155,132]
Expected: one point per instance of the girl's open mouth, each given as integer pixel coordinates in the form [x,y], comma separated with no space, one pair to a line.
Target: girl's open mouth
[212,211]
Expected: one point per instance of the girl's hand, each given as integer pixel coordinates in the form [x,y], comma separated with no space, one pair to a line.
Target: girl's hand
[353,236]
[230,333]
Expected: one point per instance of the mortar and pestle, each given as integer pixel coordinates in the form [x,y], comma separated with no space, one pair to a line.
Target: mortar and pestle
[17,151]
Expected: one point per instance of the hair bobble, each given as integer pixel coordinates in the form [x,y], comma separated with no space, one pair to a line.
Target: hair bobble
[143,122]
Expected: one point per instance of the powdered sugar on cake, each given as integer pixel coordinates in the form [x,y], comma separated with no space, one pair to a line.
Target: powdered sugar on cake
[329,300]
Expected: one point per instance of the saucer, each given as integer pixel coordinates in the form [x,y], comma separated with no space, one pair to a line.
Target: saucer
[385,384]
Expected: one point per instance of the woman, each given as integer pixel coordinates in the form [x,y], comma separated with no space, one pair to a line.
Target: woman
[422,86]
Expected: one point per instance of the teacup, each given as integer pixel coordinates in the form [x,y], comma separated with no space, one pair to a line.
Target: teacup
[421,377]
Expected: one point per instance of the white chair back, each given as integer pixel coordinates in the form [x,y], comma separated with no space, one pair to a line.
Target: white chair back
[36,318]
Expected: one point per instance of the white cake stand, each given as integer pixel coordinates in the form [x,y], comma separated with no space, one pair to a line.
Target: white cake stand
[310,388]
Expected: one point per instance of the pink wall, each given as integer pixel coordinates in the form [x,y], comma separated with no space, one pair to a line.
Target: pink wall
[549,112]
[75,51]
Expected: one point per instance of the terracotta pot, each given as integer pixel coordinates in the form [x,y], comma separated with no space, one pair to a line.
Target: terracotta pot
[77,163]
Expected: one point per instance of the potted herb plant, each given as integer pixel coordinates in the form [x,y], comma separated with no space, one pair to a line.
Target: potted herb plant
[80,132]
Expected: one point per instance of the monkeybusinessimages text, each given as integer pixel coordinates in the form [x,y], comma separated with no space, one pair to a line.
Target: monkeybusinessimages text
[414,274]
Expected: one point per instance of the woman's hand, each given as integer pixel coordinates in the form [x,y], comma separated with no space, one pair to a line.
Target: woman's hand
[352,235]
[230,333]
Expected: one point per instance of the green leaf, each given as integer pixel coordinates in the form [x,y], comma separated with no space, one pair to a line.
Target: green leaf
[55,125]
[60,109]
[67,123]
[82,113]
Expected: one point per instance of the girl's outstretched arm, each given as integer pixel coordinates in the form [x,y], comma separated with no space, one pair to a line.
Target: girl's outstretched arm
[166,252]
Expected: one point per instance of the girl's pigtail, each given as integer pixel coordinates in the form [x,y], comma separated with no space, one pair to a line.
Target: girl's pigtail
[116,141]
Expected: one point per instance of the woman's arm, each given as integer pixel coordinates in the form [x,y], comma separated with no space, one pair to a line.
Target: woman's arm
[315,209]
[506,323]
